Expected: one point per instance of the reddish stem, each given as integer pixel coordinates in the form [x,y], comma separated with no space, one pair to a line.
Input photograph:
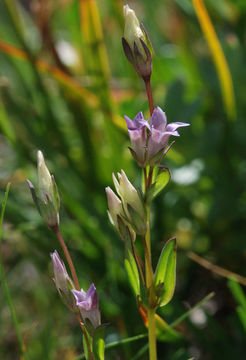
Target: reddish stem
[68,257]
[149,94]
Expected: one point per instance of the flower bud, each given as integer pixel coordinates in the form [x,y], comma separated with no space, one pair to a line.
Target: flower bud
[136,44]
[116,215]
[47,197]
[87,303]
[132,203]
[62,281]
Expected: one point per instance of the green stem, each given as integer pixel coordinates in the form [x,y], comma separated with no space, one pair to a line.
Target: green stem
[149,280]
[5,285]
[152,334]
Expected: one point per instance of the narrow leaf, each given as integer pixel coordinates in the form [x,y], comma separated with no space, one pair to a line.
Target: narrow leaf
[132,273]
[165,274]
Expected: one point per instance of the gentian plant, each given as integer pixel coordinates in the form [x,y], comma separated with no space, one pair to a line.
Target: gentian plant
[128,211]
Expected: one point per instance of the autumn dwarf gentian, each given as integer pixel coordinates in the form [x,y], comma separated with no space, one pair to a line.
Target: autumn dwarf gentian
[87,303]
[149,137]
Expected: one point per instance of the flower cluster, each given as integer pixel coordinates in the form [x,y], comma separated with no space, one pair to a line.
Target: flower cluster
[85,302]
[149,138]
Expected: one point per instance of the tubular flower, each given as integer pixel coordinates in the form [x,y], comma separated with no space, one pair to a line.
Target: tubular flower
[138,136]
[87,303]
[150,137]
[160,132]
[62,281]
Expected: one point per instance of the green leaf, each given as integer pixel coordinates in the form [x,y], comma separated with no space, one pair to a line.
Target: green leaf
[161,181]
[165,274]
[132,273]
[237,292]
[98,342]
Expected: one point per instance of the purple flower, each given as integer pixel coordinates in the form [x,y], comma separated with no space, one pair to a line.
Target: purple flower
[138,136]
[149,137]
[87,303]
[160,132]
[62,281]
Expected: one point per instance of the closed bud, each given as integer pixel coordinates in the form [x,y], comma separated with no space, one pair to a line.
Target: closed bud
[46,198]
[116,214]
[136,44]
[62,281]
[132,203]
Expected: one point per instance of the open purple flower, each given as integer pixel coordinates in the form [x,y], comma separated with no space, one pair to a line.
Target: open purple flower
[138,136]
[160,132]
[87,303]
[149,137]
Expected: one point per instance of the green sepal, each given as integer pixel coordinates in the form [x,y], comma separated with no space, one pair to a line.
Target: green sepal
[98,342]
[161,181]
[131,266]
[165,274]
[138,223]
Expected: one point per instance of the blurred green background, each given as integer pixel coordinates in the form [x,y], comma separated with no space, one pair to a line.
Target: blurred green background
[64,88]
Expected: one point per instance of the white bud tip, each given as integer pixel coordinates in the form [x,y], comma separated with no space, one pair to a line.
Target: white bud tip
[40,158]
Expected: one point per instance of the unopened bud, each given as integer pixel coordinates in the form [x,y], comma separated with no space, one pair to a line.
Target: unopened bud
[136,44]
[132,203]
[62,281]
[47,197]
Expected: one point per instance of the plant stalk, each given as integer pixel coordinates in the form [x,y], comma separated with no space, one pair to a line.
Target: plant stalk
[149,94]
[58,234]
[150,278]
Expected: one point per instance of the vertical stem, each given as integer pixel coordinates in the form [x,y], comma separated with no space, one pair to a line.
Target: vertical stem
[150,278]
[58,234]
[152,334]
[149,285]
[68,257]
[148,268]
[149,94]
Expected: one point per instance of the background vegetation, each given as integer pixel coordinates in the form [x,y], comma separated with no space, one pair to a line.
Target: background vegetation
[64,88]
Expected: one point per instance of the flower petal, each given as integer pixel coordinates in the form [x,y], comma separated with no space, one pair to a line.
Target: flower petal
[175,125]
[158,119]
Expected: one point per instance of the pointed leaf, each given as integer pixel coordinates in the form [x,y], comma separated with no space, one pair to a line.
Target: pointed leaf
[98,342]
[132,273]
[165,274]
[161,181]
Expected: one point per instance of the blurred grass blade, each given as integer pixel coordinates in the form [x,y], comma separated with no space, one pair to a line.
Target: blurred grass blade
[187,313]
[218,57]
[5,285]
[237,292]
[91,29]
[240,297]
[55,72]
[5,125]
